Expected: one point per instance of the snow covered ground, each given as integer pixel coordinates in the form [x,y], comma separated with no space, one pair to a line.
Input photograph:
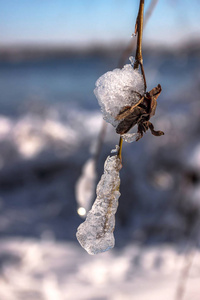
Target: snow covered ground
[50,270]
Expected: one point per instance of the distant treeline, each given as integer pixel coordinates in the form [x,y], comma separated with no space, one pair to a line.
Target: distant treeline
[18,53]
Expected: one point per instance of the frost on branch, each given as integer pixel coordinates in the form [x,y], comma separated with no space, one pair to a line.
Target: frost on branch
[95,234]
[116,89]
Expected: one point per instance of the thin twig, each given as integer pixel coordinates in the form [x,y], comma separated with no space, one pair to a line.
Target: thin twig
[120,148]
[131,45]
[191,248]
[184,275]
[138,55]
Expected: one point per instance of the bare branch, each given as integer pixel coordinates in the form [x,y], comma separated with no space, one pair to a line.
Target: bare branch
[129,49]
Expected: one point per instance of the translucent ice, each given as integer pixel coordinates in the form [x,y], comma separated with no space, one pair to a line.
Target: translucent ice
[116,149]
[132,60]
[116,89]
[129,137]
[95,234]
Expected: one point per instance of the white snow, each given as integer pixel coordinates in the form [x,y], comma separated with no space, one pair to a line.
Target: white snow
[32,133]
[96,234]
[33,269]
[116,89]
[115,150]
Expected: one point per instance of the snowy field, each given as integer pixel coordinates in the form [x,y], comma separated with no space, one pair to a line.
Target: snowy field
[49,270]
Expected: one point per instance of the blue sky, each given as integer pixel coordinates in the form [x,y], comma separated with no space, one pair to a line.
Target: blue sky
[85,22]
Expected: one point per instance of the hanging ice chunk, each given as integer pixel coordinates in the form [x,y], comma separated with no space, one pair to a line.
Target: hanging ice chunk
[116,89]
[85,187]
[129,137]
[95,234]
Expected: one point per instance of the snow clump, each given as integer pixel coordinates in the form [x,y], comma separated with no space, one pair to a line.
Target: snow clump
[116,89]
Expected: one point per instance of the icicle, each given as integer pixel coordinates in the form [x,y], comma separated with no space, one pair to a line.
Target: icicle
[95,234]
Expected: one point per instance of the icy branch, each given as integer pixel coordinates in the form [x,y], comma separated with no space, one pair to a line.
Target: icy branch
[95,234]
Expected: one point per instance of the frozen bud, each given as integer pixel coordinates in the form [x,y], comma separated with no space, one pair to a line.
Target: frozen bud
[116,89]
[95,234]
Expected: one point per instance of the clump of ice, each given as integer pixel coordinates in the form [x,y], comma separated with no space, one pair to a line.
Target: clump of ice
[95,234]
[115,150]
[129,137]
[116,89]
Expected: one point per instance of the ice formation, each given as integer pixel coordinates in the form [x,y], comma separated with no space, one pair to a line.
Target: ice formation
[85,187]
[129,137]
[116,149]
[95,234]
[116,89]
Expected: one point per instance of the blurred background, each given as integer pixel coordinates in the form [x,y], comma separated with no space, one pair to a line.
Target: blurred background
[51,54]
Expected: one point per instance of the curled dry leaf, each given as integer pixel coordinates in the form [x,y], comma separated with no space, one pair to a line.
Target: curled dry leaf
[140,114]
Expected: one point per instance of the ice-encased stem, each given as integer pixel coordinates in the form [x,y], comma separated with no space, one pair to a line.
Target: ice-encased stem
[138,55]
[95,234]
